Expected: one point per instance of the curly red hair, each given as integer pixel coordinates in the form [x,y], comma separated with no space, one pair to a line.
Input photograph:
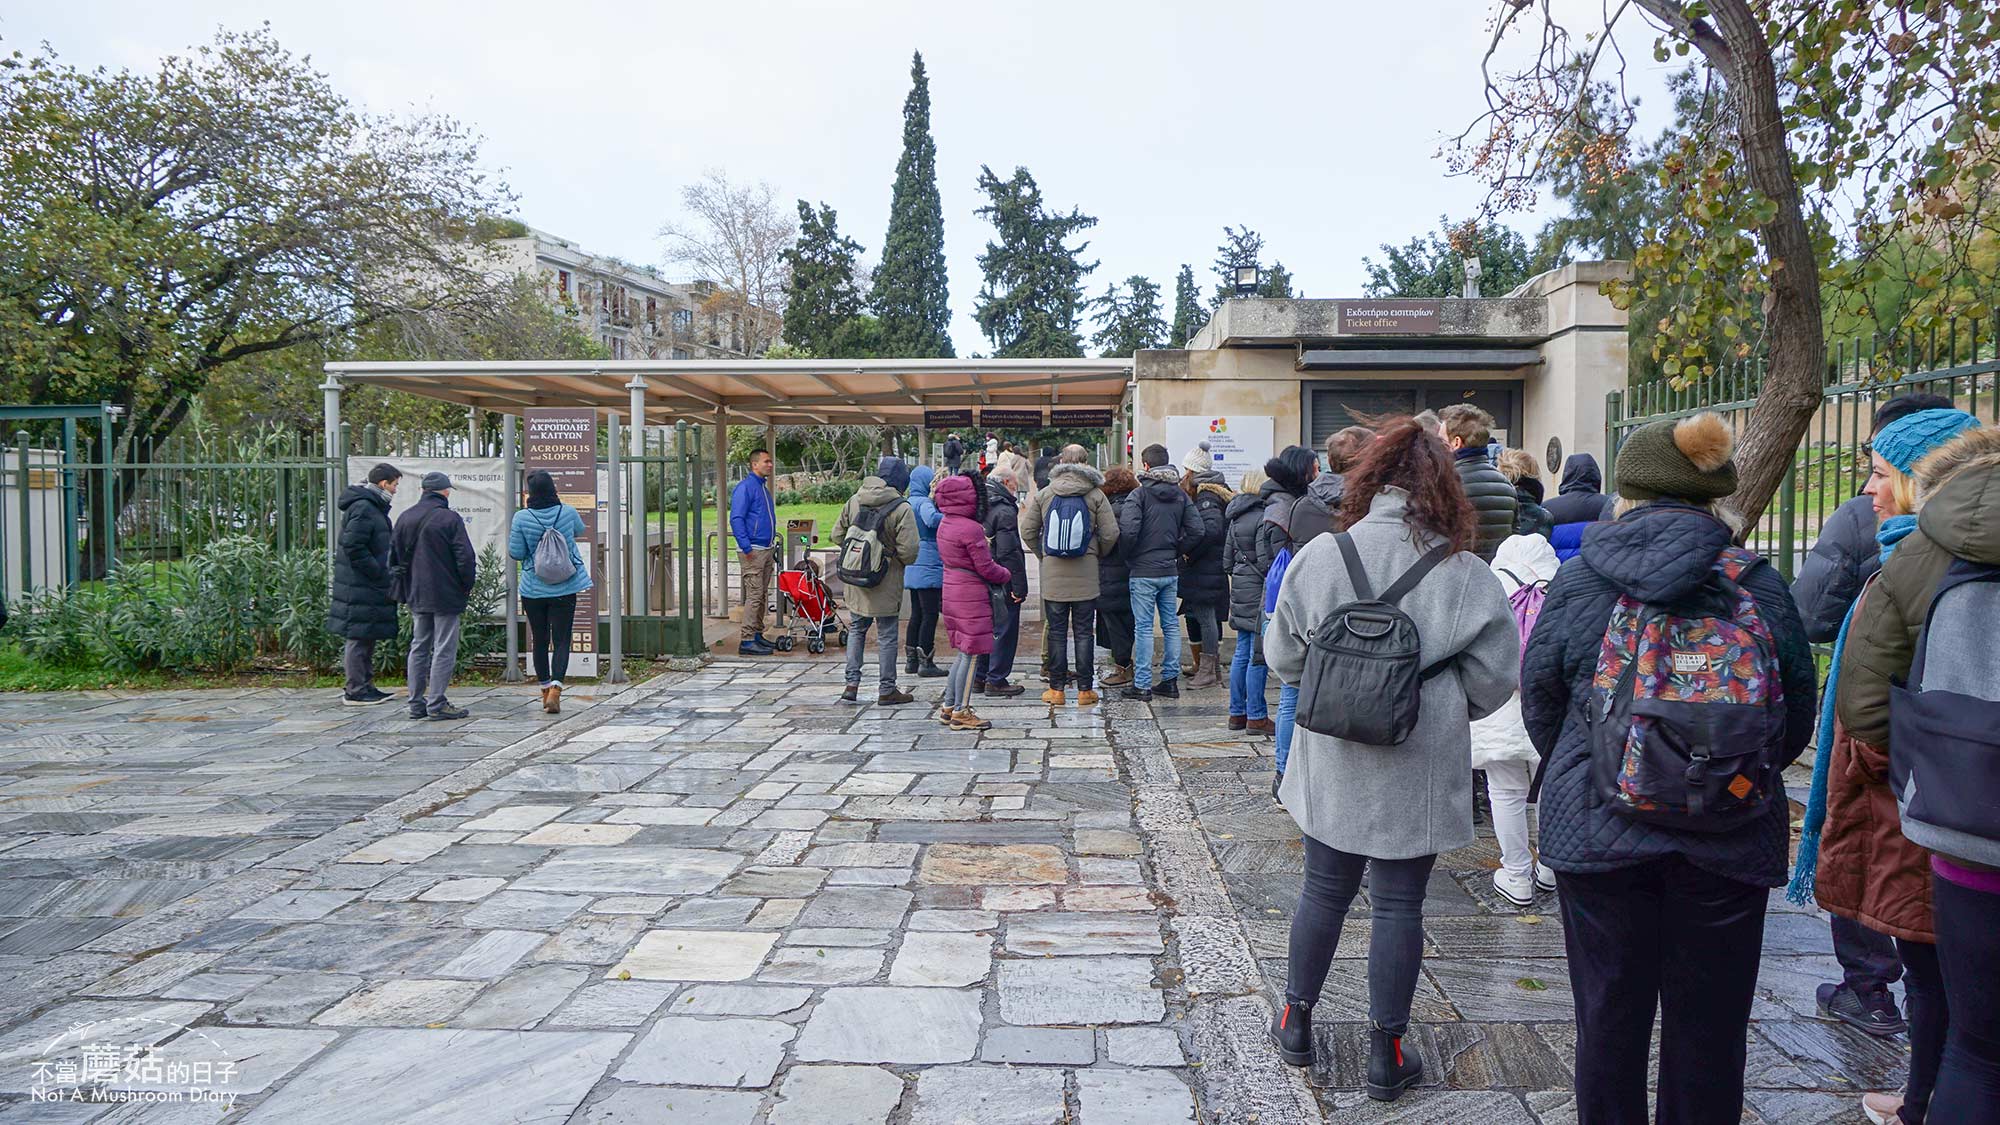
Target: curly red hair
[1409,456]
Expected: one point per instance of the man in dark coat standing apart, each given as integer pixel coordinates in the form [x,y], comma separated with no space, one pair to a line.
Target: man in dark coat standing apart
[432,547]
[362,610]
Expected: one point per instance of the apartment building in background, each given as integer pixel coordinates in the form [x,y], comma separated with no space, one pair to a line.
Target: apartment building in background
[632,310]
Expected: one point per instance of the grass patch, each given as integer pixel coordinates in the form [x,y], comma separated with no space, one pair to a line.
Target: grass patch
[824,513]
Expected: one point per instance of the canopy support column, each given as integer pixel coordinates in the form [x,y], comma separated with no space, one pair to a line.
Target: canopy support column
[637,562]
[721,510]
[334,455]
[510,488]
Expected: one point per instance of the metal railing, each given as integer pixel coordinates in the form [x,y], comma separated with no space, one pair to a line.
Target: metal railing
[1957,361]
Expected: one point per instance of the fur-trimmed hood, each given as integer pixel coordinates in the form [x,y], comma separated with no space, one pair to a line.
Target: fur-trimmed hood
[1958,488]
[1071,479]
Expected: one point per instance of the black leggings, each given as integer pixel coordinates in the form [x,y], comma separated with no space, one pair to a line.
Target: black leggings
[1395,934]
[924,607]
[1968,933]
[549,622]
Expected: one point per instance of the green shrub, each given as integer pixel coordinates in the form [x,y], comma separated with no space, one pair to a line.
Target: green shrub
[831,491]
[55,627]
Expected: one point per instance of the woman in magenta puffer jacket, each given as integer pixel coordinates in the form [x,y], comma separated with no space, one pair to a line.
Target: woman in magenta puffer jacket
[969,573]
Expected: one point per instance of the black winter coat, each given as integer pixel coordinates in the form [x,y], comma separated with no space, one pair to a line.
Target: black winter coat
[1204,581]
[1002,522]
[954,455]
[1156,526]
[1114,577]
[1493,500]
[1580,497]
[1242,559]
[1531,518]
[1843,561]
[361,609]
[442,564]
[1659,553]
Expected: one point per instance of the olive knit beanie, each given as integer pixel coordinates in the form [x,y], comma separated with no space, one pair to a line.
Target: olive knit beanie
[1685,460]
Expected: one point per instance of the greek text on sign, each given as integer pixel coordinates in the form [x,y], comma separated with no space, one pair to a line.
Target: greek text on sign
[1407,317]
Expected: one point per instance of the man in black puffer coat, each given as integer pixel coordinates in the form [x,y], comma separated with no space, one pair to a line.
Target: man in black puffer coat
[1468,430]
[362,611]
[1654,915]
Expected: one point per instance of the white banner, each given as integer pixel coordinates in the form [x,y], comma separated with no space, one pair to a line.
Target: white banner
[478,492]
[1236,443]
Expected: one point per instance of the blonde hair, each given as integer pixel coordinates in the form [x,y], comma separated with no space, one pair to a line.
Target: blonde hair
[1254,480]
[1518,465]
[1728,516]
[1902,489]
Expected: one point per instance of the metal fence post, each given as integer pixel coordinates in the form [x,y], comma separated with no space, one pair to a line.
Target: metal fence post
[27,520]
[1788,502]
[683,560]
[613,566]
[1614,407]
[509,486]
[71,568]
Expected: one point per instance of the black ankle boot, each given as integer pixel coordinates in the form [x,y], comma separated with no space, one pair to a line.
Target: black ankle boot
[910,665]
[1393,1066]
[1292,1032]
[927,668]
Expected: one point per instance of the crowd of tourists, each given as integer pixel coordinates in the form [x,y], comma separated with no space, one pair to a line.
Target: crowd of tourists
[1619,663]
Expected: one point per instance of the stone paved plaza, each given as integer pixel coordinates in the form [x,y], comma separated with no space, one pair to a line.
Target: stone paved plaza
[724,898]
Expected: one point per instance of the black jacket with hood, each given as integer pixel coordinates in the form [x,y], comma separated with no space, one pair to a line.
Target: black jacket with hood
[1204,577]
[1580,497]
[361,609]
[1840,563]
[1157,525]
[1246,565]
[1660,554]
[1002,521]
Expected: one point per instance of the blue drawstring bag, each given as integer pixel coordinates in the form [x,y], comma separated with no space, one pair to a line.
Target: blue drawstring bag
[1276,579]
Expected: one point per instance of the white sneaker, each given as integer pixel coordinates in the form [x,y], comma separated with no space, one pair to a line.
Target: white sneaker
[1517,889]
[1545,879]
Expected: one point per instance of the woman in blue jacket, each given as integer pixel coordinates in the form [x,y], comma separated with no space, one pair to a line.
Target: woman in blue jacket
[549,606]
[924,579]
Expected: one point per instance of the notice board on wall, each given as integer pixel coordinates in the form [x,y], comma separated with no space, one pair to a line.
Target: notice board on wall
[1237,443]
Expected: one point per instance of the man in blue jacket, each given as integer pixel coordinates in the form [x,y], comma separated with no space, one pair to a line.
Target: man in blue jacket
[753,521]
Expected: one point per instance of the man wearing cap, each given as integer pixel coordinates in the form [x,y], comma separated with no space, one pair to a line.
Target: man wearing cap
[439,567]
[362,611]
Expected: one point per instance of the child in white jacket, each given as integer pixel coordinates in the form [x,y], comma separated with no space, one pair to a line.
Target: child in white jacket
[1500,743]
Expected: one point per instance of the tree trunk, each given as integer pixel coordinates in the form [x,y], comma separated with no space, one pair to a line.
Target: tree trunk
[1795,339]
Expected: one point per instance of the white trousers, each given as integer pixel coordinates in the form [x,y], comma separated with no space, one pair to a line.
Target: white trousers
[1507,789]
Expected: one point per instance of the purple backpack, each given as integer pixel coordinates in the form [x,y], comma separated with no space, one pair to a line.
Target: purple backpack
[1526,601]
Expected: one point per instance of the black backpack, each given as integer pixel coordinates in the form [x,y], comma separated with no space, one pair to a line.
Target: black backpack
[1364,675]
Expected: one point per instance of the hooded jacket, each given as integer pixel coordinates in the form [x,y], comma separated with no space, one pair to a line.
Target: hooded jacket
[1530,517]
[1157,525]
[1659,553]
[899,538]
[1494,503]
[361,609]
[1841,561]
[1002,522]
[525,535]
[1317,513]
[1501,736]
[1960,519]
[1580,502]
[927,573]
[1204,583]
[969,569]
[1246,565]
[1071,580]
[1414,799]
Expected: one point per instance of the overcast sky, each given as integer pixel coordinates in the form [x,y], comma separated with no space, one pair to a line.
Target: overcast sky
[1315,123]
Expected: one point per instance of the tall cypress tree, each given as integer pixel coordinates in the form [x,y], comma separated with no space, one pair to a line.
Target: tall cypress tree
[822,295]
[1033,294]
[1189,316]
[911,295]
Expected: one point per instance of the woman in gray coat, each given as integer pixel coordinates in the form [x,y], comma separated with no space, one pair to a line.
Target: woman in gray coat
[1389,808]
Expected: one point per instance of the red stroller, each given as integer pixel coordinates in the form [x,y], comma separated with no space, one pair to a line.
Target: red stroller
[812,602]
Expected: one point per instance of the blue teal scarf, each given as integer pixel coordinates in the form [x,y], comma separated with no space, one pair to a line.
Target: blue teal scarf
[1800,890]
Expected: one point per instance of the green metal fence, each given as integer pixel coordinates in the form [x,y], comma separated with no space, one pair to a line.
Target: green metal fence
[76,501]
[1957,360]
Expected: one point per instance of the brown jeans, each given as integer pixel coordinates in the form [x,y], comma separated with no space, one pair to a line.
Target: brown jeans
[757,567]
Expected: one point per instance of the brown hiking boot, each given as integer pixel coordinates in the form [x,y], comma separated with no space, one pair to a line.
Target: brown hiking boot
[552,699]
[1054,697]
[964,719]
[1086,698]
[1121,675]
[1237,722]
[944,713]
[893,698]
[1261,726]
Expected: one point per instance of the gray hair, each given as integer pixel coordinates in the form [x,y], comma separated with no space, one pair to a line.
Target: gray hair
[1074,454]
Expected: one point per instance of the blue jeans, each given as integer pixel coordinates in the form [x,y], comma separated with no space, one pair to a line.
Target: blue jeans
[1155,597]
[1246,680]
[1288,714]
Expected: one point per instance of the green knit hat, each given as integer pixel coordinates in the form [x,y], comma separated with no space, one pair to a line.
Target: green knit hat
[1685,460]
